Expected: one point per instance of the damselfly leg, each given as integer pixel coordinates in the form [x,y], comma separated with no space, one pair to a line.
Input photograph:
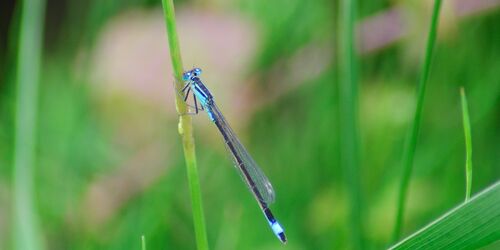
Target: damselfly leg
[192,102]
[187,94]
[195,104]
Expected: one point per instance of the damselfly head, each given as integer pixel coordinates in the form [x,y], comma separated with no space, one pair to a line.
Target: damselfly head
[187,75]
[196,71]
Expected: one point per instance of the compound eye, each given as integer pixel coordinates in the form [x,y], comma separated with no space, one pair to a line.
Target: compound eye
[197,71]
[186,76]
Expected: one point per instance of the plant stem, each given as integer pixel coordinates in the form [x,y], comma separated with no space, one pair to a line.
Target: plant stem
[25,234]
[468,145]
[185,128]
[411,140]
[348,102]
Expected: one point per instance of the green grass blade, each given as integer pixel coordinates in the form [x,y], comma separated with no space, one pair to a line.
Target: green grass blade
[471,225]
[411,140]
[468,145]
[143,242]
[25,234]
[185,128]
[348,103]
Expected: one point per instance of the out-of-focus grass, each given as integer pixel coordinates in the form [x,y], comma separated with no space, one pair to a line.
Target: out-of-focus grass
[294,137]
[411,140]
[143,242]
[25,225]
[348,106]
[468,144]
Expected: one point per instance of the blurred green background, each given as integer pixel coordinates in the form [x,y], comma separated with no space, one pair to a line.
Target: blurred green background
[109,165]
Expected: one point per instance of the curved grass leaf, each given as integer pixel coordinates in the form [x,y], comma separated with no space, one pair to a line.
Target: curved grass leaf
[471,225]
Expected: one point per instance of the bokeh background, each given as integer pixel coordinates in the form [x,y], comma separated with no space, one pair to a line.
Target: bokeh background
[109,165]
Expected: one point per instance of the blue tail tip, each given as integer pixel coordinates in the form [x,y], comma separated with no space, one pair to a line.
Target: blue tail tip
[282,237]
[278,231]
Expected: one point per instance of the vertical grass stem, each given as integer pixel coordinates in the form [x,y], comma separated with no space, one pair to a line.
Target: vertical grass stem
[185,128]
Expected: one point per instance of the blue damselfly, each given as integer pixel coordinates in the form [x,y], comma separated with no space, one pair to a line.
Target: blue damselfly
[253,176]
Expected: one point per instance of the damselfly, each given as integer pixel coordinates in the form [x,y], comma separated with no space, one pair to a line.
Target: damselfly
[253,176]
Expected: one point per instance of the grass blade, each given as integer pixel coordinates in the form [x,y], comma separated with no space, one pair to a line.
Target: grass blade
[468,145]
[185,128]
[411,140]
[143,242]
[25,234]
[471,225]
[348,88]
